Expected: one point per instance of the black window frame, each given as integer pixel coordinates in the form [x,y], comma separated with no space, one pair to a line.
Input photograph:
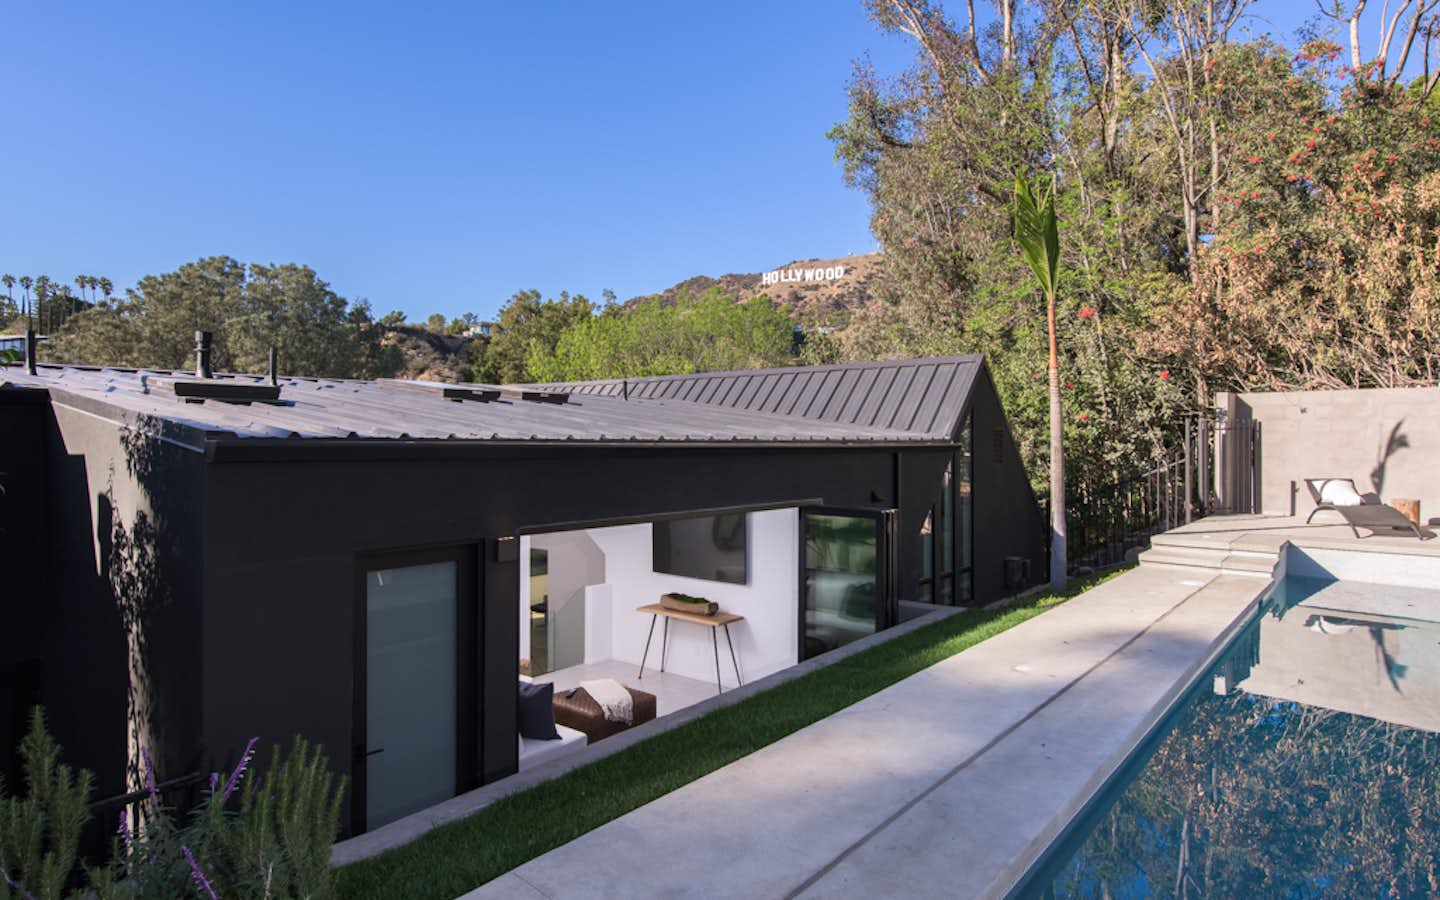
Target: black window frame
[887,607]
[961,469]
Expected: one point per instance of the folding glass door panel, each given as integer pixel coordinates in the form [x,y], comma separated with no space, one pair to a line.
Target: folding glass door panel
[843,596]
[411,688]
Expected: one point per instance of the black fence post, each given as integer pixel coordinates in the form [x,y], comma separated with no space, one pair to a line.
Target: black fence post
[1206,478]
[1189,478]
[1254,467]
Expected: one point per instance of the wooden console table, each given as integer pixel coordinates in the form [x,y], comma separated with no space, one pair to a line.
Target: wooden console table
[715,623]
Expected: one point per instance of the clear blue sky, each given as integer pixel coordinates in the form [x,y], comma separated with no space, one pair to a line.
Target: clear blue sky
[432,157]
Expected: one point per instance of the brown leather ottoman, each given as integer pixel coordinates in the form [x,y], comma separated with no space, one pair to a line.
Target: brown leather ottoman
[578,711]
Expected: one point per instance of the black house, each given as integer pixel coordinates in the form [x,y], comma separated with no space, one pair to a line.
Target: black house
[194,561]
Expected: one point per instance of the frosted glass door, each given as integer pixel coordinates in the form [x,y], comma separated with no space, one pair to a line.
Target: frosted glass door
[410,689]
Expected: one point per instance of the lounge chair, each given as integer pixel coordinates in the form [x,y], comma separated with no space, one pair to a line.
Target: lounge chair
[1339,495]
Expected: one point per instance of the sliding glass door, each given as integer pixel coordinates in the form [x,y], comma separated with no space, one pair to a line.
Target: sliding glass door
[845,571]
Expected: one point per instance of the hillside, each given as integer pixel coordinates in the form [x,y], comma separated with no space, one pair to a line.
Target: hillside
[814,291]
[801,287]
[429,356]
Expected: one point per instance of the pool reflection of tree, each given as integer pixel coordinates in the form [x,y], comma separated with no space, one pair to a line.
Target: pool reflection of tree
[1251,796]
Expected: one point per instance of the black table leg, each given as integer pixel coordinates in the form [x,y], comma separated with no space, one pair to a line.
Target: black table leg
[646,654]
[731,645]
[715,641]
[664,641]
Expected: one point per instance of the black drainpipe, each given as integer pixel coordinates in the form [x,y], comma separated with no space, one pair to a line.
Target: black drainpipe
[203,339]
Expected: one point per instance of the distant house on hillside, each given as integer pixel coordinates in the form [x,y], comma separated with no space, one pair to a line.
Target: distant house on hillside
[375,564]
[483,330]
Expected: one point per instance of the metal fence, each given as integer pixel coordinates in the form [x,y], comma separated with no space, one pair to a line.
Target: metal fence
[1214,470]
[180,794]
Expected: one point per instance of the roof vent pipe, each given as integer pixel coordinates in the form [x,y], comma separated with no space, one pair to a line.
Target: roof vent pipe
[274,365]
[30,353]
[203,340]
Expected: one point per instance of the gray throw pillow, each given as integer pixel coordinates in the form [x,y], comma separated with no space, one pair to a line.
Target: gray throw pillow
[537,711]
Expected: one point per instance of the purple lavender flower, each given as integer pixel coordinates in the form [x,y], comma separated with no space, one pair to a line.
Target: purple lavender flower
[201,881]
[125,833]
[150,775]
[240,766]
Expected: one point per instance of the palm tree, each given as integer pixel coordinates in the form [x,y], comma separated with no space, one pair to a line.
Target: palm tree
[1038,235]
[25,282]
[42,302]
[82,282]
[9,282]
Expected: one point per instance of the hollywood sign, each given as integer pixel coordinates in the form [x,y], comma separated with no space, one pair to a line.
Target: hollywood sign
[785,276]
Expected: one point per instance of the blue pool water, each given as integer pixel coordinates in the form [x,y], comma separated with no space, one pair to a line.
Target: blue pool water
[1304,763]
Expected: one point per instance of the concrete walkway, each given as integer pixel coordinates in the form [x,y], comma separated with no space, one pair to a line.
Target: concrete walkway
[947,784]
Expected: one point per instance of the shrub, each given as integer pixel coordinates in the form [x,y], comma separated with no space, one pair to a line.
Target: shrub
[252,836]
[40,832]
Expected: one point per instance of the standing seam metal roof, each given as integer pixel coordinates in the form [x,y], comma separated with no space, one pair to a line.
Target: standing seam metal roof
[905,402]
[915,396]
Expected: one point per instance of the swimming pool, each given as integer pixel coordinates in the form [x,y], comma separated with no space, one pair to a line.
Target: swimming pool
[1304,763]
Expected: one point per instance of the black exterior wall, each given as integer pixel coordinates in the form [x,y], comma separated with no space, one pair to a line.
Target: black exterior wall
[257,550]
[112,601]
[281,540]
[22,543]
[1006,514]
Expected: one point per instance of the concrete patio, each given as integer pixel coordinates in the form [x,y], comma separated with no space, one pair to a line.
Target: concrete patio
[954,781]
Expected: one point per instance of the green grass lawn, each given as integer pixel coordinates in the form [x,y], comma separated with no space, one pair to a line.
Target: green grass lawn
[458,857]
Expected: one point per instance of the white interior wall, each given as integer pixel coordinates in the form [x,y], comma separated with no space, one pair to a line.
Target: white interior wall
[764,643]
[574,563]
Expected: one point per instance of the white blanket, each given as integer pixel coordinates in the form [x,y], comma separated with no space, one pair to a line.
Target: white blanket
[614,700]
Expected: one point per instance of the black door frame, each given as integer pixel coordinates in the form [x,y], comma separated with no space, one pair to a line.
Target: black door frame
[887,607]
[469,643]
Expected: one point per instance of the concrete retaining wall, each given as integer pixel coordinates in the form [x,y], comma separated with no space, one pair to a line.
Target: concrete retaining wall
[1387,439]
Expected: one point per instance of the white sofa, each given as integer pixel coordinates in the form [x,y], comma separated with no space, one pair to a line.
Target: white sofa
[533,751]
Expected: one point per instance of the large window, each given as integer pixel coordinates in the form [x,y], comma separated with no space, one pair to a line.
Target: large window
[945,538]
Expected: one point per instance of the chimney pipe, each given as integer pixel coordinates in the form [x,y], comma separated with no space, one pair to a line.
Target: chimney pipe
[31,355]
[274,365]
[203,339]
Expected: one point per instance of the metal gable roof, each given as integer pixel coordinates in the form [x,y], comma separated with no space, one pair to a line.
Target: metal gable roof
[915,396]
[897,402]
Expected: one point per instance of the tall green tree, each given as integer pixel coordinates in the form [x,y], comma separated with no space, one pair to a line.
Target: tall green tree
[248,309]
[529,327]
[1037,232]
[1238,214]
[708,333]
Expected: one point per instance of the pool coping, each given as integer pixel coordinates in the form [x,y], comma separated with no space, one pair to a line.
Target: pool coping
[827,795]
[1055,846]
[1003,880]
[1335,558]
